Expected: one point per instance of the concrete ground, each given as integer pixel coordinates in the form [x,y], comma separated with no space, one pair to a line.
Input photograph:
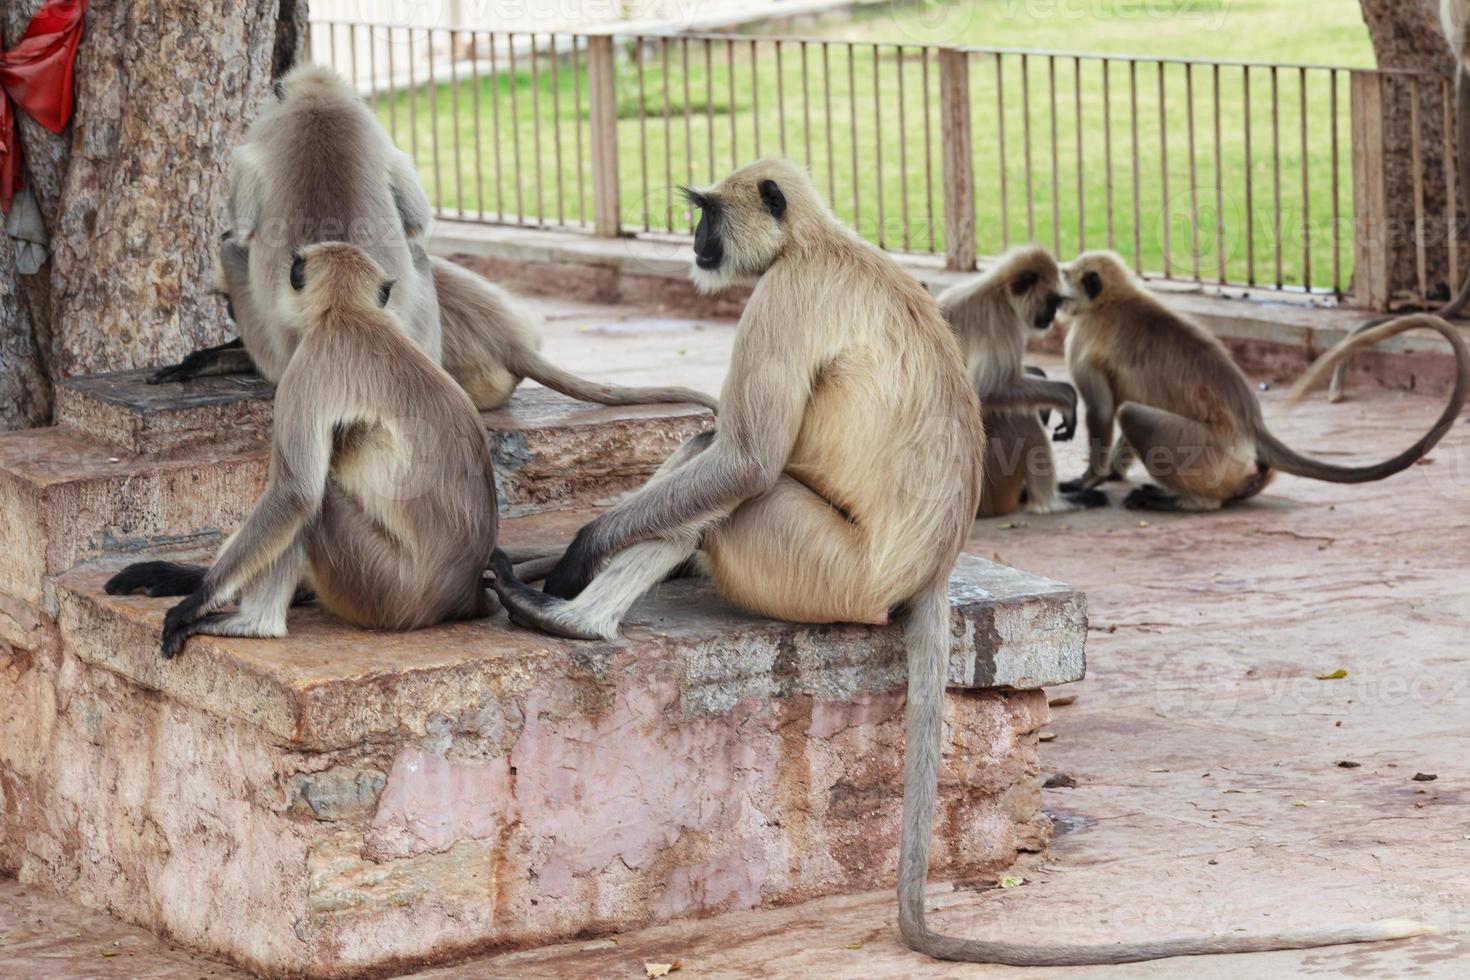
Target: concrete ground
[1226,777]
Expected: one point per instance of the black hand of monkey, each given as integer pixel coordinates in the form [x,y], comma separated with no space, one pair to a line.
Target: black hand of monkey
[575,570]
[1067,429]
[180,623]
[1074,486]
[193,366]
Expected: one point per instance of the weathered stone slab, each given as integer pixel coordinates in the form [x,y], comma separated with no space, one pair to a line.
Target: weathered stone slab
[328,686]
[66,498]
[121,410]
[343,802]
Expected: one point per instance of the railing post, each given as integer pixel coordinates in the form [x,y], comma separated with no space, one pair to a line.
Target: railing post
[1372,249]
[959,160]
[602,102]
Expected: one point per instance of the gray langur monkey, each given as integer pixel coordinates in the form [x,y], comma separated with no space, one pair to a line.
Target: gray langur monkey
[317,166]
[1454,16]
[840,483]
[381,494]
[992,315]
[1185,409]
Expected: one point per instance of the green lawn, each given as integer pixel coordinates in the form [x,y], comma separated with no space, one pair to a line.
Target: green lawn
[509,146]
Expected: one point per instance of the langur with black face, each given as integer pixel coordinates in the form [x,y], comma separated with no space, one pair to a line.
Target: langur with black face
[317,166]
[840,483]
[992,315]
[1454,17]
[381,494]
[1185,409]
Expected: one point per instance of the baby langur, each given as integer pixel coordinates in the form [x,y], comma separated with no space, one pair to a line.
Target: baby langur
[1185,409]
[317,166]
[1454,17]
[381,495]
[992,315]
[840,483]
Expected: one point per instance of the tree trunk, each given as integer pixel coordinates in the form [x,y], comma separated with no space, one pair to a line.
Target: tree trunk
[134,193]
[1407,34]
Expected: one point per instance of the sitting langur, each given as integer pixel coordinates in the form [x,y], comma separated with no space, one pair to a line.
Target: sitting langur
[840,483]
[1454,16]
[317,166]
[992,316]
[381,495]
[1185,409]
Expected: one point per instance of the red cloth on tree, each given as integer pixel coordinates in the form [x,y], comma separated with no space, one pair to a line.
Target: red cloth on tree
[37,74]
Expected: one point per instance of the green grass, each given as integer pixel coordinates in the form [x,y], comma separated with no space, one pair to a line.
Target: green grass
[696,121]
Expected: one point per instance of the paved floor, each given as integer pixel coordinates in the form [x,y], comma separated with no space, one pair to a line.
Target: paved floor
[1211,793]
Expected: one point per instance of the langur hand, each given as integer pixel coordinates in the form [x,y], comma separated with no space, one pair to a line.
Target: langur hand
[577,567]
[1068,427]
[183,621]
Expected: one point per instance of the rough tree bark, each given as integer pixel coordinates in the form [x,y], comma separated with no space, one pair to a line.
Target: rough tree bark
[134,192]
[1407,34]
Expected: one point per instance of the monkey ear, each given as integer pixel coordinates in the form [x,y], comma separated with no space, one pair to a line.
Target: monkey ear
[773,199]
[1092,285]
[298,273]
[1024,283]
[279,88]
[385,290]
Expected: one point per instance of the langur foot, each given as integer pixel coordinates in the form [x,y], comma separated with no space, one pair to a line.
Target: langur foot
[1087,499]
[156,578]
[180,623]
[1150,497]
[224,359]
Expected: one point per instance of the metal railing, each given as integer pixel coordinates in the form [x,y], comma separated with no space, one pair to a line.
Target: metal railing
[1224,173]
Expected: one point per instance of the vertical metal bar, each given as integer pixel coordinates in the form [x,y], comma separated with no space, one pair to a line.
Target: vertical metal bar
[928,150]
[352,53]
[827,96]
[602,106]
[1219,184]
[332,47]
[959,160]
[1056,178]
[411,90]
[1306,192]
[638,48]
[1278,220]
[1107,89]
[1026,136]
[709,101]
[1370,215]
[536,126]
[1081,165]
[1336,193]
[878,145]
[806,103]
[1250,186]
[1452,194]
[1137,168]
[434,123]
[475,88]
[857,205]
[688,127]
[1164,174]
[1416,123]
[495,125]
[577,131]
[1000,149]
[372,47]
[392,91]
[515,126]
[1193,172]
[781,97]
[561,192]
[454,120]
[755,100]
[903,154]
[668,143]
[734,138]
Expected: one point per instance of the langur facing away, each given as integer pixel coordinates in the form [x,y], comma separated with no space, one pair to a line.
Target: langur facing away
[381,494]
[992,315]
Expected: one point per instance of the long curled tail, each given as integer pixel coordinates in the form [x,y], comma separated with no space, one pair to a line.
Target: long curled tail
[1278,454]
[530,608]
[530,364]
[927,637]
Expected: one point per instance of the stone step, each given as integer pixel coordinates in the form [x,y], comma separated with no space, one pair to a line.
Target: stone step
[128,469]
[341,801]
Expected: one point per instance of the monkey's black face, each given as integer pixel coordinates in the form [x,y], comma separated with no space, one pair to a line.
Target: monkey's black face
[1048,313]
[709,251]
